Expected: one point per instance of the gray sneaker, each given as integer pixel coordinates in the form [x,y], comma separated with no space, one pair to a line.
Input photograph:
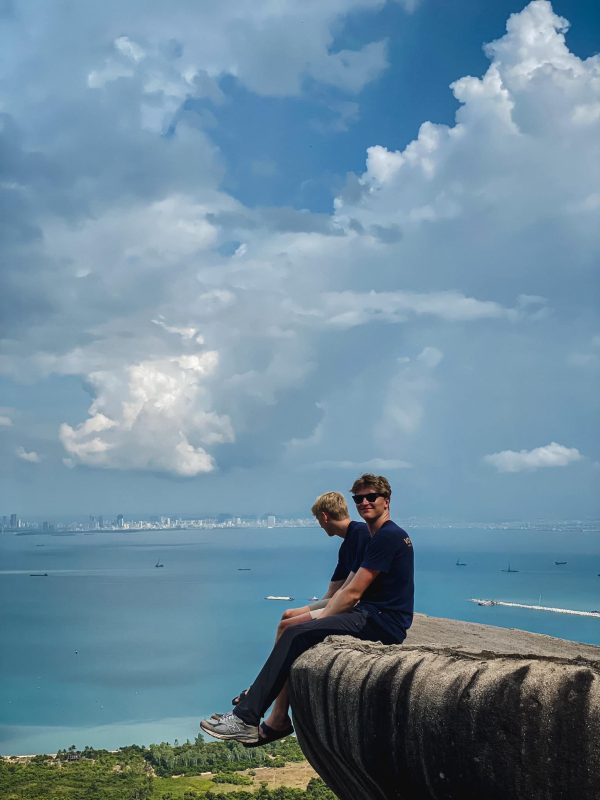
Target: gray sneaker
[228,726]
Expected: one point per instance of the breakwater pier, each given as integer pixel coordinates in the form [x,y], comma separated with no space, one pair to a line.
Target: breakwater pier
[575,612]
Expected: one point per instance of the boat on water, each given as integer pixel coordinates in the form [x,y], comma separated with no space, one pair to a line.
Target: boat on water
[244,569]
[460,563]
[509,569]
[313,598]
[487,603]
[158,565]
[278,597]
[560,563]
[38,574]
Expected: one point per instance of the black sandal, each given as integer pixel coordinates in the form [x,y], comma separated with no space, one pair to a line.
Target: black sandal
[269,735]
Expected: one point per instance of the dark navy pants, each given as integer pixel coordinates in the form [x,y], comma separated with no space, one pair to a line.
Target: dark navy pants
[293,642]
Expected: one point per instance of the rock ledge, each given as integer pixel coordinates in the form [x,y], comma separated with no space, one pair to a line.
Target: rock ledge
[461,711]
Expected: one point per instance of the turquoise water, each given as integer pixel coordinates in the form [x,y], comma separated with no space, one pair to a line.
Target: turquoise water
[107,650]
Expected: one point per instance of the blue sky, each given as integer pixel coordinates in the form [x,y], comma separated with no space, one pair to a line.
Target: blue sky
[252,250]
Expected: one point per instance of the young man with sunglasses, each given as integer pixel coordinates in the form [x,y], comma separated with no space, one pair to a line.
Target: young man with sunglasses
[375,605]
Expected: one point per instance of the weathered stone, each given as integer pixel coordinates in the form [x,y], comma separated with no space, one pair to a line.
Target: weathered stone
[461,711]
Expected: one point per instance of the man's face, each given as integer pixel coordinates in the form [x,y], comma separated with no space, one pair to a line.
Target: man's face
[370,509]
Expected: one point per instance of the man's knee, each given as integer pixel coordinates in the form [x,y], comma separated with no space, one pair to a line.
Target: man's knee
[298,637]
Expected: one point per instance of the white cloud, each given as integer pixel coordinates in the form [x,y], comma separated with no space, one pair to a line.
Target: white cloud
[551,455]
[406,396]
[151,416]
[270,48]
[28,455]
[5,422]
[348,309]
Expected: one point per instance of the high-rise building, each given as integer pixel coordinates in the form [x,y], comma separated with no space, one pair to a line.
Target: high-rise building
[120,521]
[101,522]
[271,521]
[14,521]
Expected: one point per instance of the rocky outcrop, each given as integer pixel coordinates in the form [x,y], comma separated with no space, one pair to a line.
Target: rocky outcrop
[461,711]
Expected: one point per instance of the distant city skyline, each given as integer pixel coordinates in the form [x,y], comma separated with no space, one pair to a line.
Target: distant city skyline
[133,522]
[250,251]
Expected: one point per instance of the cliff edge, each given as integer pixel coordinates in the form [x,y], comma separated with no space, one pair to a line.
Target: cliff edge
[460,710]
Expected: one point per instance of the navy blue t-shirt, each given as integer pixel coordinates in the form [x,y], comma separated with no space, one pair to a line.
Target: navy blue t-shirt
[390,598]
[351,550]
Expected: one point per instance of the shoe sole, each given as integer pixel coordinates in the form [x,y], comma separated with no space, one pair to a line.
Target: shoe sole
[237,737]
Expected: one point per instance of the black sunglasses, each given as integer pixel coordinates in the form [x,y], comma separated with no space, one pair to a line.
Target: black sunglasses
[370,497]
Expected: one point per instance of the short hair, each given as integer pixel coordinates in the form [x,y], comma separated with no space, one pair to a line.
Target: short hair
[331,503]
[376,482]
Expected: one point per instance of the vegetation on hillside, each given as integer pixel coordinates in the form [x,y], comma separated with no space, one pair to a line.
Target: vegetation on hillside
[146,773]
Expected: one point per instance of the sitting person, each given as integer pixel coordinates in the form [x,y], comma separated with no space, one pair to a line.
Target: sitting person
[331,512]
[375,605]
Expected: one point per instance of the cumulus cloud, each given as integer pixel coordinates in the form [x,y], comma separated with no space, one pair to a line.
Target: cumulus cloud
[28,455]
[551,455]
[151,416]
[5,422]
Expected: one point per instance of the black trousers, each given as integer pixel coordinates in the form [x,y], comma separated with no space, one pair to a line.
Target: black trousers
[293,642]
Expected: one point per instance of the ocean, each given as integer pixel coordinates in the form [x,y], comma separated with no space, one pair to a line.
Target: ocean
[108,650]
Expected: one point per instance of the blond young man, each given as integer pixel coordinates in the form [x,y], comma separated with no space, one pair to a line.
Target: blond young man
[331,512]
[375,605]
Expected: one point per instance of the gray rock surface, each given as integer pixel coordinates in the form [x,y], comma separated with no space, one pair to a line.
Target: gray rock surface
[461,711]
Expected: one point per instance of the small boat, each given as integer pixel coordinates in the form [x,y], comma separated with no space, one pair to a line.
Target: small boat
[38,574]
[313,598]
[278,597]
[508,569]
[460,563]
[486,602]
[158,565]
[560,563]
[244,569]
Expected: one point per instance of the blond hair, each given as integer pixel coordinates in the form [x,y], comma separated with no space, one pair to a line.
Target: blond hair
[331,503]
[375,482]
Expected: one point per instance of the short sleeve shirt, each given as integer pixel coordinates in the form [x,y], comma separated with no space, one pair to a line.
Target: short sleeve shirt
[351,550]
[390,597]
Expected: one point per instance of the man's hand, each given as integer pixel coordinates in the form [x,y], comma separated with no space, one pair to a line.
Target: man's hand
[295,612]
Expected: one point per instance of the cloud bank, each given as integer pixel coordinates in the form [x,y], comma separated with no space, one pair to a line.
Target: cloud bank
[551,455]
[216,336]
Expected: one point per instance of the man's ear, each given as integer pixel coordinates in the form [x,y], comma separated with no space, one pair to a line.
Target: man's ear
[324,517]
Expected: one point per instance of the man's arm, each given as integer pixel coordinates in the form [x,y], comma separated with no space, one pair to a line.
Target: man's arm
[331,590]
[296,612]
[350,593]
